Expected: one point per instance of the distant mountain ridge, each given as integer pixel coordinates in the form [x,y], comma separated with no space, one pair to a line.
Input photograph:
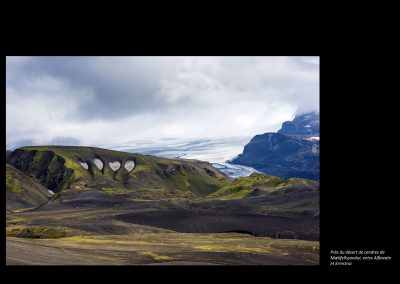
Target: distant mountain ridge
[303,125]
[293,152]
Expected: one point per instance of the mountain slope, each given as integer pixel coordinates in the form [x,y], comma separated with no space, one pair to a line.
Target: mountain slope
[305,125]
[66,167]
[282,156]
[257,185]
[248,186]
[22,191]
[155,194]
[293,152]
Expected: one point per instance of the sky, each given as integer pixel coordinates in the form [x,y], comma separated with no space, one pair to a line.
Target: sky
[117,100]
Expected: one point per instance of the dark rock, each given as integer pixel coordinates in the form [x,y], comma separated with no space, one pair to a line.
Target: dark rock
[46,167]
[282,156]
[289,153]
[305,125]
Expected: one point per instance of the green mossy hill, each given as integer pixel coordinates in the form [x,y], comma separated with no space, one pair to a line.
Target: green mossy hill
[58,167]
[299,183]
[187,176]
[22,191]
[258,184]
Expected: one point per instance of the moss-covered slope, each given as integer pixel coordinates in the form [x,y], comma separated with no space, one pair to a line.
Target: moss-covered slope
[59,167]
[260,184]
[22,191]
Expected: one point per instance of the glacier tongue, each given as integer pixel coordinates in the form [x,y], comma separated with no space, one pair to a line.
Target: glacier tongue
[217,151]
[234,171]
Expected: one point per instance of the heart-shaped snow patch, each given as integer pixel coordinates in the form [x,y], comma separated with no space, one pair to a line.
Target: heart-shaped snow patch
[129,165]
[115,165]
[84,165]
[98,163]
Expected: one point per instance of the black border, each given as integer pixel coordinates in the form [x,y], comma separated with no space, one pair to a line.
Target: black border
[356,184]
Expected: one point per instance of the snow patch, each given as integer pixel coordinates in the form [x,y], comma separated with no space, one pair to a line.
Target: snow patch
[84,165]
[313,138]
[129,165]
[114,165]
[98,163]
[50,191]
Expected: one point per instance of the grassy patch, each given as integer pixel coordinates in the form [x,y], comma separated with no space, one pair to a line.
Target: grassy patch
[16,220]
[21,210]
[142,168]
[231,248]
[41,232]
[298,182]
[149,248]
[13,184]
[115,190]
[241,187]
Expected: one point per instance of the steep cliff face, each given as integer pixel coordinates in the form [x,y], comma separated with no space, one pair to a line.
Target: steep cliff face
[59,167]
[305,125]
[293,152]
[282,156]
[45,166]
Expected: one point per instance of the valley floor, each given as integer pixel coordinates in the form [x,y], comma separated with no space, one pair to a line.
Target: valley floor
[174,232]
[162,248]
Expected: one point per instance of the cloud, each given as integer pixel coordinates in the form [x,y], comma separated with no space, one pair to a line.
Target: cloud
[98,100]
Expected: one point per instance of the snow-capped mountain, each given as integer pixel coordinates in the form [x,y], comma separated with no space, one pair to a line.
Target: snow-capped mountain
[292,152]
[305,125]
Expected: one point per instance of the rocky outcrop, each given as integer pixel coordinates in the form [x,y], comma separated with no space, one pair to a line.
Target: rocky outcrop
[293,152]
[45,166]
[306,125]
[282,156]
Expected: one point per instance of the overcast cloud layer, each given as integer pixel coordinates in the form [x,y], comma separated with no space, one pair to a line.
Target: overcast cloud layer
[114,100]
